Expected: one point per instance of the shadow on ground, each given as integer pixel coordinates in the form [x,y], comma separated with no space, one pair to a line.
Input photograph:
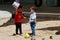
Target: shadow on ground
[9,22]
[52,29]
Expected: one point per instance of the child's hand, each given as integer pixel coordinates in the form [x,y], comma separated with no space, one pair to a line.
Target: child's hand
[24,17]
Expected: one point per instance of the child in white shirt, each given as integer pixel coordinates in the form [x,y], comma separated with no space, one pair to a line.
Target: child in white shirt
[33,20]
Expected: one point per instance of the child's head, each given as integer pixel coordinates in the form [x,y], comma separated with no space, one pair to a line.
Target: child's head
[32,9]
[19,9]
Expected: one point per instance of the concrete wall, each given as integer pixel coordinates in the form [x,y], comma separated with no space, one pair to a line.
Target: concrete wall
[32,1]
[44,3]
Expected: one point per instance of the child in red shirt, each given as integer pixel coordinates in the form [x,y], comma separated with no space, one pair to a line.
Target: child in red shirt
[18,18]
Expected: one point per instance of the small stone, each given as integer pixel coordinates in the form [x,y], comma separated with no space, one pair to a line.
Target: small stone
[51,37]
[43,38]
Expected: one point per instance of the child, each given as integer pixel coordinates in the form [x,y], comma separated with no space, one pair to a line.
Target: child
[32,20]
[18,18]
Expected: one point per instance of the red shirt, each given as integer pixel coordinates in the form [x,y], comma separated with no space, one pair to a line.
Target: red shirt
[18,17]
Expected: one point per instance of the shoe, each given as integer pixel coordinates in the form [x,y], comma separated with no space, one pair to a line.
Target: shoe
[20,34]
[15,34]
[33,38]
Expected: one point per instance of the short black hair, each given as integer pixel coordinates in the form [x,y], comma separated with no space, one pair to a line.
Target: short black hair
[20,6]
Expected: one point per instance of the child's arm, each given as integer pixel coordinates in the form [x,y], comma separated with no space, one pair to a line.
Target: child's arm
[16,11]
[28,20]
[23,16]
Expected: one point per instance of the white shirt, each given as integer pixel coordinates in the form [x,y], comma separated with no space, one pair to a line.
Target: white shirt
[33,17]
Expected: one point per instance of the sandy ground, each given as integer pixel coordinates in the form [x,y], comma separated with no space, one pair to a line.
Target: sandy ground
[44,30]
